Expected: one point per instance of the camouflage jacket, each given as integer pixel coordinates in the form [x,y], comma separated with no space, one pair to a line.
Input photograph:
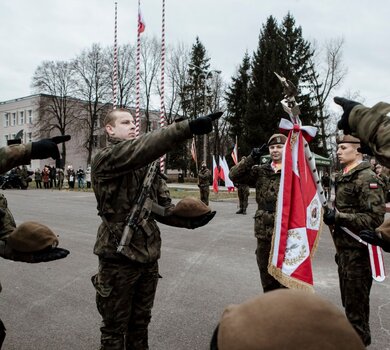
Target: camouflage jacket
[360,202]
[266,182]
[204,177]
[372,126]
[14,155]
[117,174]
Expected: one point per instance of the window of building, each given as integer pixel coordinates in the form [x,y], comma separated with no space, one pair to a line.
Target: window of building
[6,119]
[6,139]
[13,136]
[21,117]
[30,116]
[29,137]
[13,119]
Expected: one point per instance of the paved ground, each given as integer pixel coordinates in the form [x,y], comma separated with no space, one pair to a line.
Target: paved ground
[51,306]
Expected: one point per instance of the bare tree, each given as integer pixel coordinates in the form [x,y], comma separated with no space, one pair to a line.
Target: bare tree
[150,63]
[94,87]
[126,74]
[327,73]
[57,108]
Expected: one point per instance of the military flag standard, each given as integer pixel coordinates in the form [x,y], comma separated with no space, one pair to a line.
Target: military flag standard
[298,215]
[235,154]
[215,176]
[224,174]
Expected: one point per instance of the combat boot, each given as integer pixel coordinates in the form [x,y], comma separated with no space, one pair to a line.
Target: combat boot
[240,211]
[243,211]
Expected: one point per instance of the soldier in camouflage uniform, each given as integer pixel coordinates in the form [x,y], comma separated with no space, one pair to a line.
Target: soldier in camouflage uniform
[266,179]
[126,282]
[204,176]
[372,127]
[10,157]
[359,205]
[243,194]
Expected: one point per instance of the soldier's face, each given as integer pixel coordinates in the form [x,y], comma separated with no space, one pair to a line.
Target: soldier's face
[347,153]
[124,127]
[276,152]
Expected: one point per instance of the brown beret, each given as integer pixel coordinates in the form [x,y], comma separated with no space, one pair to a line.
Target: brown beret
[276,139]
[348,139]
[32,236]
[286,319]
[190,207]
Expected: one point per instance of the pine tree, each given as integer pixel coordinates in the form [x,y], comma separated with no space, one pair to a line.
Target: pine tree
[237,100]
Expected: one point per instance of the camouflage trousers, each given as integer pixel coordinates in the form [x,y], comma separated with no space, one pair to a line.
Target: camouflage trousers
[204,194]
[243,194]
[262,256]
[125,294]
[7,222]
[355,285]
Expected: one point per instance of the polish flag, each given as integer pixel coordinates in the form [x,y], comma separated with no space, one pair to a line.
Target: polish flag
[141,22]
[297,220]
[216,176]
[224,174]
[235,154]
[193,151]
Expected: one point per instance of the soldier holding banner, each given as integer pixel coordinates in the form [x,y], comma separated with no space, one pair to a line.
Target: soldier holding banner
[360,205]
[266,179]
[372,127]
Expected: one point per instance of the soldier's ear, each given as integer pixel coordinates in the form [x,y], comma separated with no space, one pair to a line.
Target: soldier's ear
[109,129]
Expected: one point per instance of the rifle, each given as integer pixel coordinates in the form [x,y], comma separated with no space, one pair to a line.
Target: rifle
[140,211]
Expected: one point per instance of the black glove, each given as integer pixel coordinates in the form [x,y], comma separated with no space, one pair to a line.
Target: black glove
[372,238]
[202,220]
[44,255]
[365,149]
[47,147]
[329,216]
[347,108]
[257,152]
[204,125]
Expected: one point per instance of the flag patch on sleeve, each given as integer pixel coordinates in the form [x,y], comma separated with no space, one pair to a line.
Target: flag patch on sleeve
[373,185]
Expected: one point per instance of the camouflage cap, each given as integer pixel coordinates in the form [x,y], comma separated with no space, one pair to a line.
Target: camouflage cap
[32,236]
[277,139]
[300,319]
[348,139]
[190,207]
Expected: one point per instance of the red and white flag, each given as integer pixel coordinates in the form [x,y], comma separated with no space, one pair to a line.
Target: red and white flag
[235,154]
[216,176]
[224,174]
[298,218]
[141,22]
[193,151]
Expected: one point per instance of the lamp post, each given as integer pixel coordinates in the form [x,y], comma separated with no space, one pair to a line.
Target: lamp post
[206,75]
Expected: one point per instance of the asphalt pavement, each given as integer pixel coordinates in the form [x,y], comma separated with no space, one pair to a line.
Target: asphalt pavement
[52,305]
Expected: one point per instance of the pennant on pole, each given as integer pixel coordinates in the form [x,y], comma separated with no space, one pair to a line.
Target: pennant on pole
[193,151]
[298,218]
[235,154]
[215,176]
[141,22]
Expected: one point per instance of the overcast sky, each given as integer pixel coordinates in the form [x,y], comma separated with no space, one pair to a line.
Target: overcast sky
[32,31]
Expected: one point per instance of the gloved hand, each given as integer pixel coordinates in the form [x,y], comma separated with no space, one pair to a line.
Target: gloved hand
[44,255]
[202,220]
[347,108]
[47,147]
[257,152]
[329,216]
[204,125]
[372,238]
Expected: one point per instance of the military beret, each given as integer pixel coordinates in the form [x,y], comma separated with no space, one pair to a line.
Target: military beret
[32,236]
[286,319]
[277,139]
[348,139]
[190,207]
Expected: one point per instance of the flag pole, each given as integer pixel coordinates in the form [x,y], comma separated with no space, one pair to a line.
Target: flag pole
[162,103]
[115,70]
[138,74]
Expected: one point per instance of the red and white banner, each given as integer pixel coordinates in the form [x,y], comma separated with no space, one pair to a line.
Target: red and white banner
[215,176]
[224,174]
[297,220]
[141,22]
[193,151]
[235,154]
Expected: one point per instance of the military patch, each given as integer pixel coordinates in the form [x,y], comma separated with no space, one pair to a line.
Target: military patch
[373,185]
